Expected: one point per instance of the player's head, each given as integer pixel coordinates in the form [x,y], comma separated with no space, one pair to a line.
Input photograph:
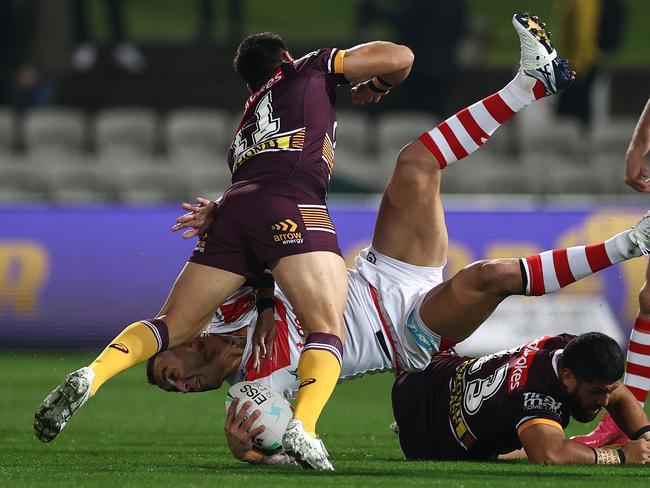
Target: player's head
[258,56]
[199,365]
[590,367]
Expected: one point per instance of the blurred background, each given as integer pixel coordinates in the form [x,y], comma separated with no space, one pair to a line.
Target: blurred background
[114,111]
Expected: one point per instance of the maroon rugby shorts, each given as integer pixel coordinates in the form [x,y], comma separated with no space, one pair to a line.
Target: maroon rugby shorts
[257,223]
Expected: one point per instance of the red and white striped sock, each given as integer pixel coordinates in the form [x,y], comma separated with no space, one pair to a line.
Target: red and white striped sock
[637,370]
[551,270]
[463,133]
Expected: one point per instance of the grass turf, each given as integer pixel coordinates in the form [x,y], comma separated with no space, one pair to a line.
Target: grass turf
[131,434]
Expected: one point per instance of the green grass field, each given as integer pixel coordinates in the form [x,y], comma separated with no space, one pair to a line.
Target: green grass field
[131,434]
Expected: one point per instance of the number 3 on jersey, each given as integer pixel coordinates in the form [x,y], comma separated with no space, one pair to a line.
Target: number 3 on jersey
[480,389]
[263,127]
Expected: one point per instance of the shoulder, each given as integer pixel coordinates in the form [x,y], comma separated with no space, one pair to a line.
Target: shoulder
[325,60]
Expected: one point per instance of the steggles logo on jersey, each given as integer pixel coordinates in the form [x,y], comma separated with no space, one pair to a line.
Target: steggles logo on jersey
[286,232]
[120,347]
[520,365]
[371,258]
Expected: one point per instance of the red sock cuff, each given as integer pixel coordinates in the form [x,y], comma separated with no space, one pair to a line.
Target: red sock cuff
[430,144]
[642,325]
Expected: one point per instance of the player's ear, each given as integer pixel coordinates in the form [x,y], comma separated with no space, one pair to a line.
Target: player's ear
[568,379]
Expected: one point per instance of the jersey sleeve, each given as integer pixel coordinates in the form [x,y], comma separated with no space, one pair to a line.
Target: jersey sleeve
[328,61]
[536,407]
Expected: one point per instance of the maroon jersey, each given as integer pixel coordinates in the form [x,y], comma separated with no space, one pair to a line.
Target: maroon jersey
[473,408]
[288,129]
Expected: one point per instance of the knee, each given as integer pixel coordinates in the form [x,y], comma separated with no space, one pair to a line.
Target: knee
[416,169]
[497,276]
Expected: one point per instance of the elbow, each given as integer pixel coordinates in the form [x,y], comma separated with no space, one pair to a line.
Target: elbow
[404,57]
[547,457]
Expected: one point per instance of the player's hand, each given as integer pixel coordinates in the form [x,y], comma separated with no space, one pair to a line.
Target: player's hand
[263,337]
[197,219]
[637,452]
[238,424]
[361,95]
[636,172]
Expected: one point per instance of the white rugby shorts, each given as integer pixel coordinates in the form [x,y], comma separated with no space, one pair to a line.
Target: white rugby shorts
[401,289]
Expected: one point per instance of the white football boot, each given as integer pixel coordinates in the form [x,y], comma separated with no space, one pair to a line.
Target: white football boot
[64,401]
[539,58]
[640,234]
[309,452]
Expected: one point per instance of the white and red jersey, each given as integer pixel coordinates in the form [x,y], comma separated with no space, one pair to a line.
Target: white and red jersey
[381,298]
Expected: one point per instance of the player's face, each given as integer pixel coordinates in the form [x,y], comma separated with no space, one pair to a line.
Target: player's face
[588,397]
[189,368]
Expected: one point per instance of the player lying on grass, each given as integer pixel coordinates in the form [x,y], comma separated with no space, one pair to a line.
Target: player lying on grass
[463,408]
[399,312]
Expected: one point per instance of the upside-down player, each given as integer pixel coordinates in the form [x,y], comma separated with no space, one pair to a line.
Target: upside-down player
[399,314]
[281,159]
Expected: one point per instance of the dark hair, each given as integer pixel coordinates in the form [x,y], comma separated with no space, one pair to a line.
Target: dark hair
[150,378]
[257,57]
[593,356]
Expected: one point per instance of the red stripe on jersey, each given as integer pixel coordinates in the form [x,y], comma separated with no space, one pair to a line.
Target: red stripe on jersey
[498,109]
[539,90]
[431,145]
[562,268]
[280,352]
[478,135]
[536,277]
[232,311]
[638,370]
[639,348]
[639,393]
[642,325]
[375,299]
[597,257]
[452,140]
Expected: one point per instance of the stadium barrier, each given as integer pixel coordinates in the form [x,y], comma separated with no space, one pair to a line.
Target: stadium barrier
[74,277]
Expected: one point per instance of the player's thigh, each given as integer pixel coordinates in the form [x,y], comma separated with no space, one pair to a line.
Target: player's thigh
[197,292]
[410,225]
[457,307]
[316,284]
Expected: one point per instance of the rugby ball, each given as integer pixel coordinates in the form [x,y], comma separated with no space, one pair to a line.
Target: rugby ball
[275,413]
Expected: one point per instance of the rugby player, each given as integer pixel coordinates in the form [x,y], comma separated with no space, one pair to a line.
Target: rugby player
[273,216]
[637,371]
[462,408]
[399,312]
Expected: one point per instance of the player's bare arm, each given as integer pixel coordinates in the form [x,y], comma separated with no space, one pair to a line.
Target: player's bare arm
[636,166]
[265,326]
[628,414]
[375,68]
[392,62]
[545,443]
